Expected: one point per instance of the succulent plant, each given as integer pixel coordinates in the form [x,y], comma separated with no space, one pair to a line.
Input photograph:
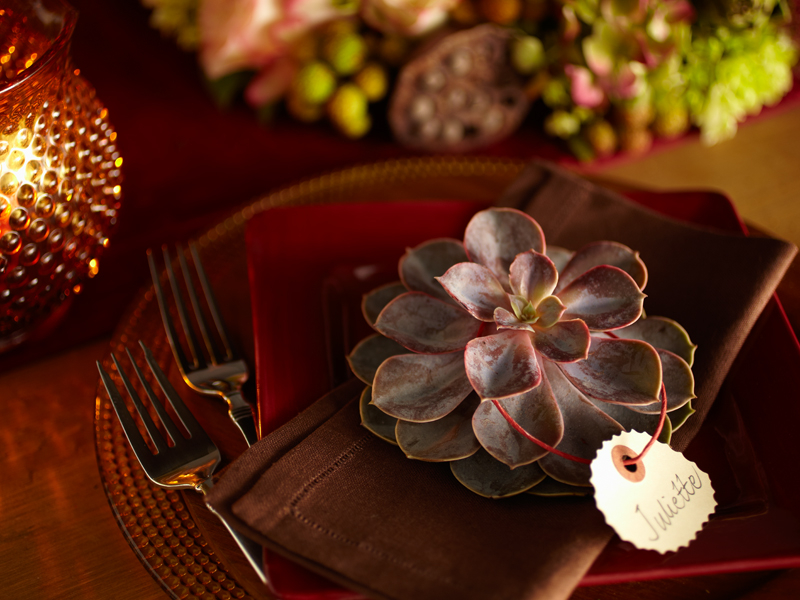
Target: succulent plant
[501,324]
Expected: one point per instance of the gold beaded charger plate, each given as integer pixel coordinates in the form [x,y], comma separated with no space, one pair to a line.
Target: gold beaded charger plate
[183,546]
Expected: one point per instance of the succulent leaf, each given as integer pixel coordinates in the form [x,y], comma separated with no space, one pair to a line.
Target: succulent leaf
[604,298]
[632,420]
[419,267]
[678,381]
[566,341]
[536,411]
[448,438]
[585,429]
[495,237]
[422,323]
[666,432]
[661,333]
[376,300]
[678,417]
[618,371]
[502,365]
[490,478]
[560,256]
[421,387]
[533,276]
[604,253]
[369,353]
[475,288]
[549,487]
[508,320]
[374,419]
[549,311]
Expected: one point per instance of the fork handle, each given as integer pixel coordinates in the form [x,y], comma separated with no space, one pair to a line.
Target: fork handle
[253,551]
[242,414]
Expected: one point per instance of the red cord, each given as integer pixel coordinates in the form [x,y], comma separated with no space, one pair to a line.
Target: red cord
[628,461]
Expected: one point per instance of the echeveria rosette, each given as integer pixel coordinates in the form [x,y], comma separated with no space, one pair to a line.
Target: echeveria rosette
[560,354]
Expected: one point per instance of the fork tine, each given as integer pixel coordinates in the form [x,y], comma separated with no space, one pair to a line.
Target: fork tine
[212,303]
[174,433]
[211,344]
[196,431]
[166,318]
[135,438]
[149,425]
[191,338]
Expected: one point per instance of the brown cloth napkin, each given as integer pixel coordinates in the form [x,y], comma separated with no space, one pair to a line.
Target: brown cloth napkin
[327,493]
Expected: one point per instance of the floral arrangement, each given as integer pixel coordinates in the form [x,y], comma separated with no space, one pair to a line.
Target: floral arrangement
[609,74]
[514,361]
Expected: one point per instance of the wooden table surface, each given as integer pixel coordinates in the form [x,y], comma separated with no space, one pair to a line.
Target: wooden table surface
[59,539]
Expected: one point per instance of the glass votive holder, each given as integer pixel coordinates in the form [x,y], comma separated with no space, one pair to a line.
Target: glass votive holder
[60,177]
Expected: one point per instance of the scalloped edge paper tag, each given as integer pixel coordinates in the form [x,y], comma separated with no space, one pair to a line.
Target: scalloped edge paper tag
[662,504]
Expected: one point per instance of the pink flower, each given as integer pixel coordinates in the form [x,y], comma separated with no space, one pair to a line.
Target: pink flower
[406,17]
[236,35]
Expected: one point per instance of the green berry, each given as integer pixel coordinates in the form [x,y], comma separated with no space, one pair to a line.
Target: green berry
[345,52]
[581,148]
[636,114]
[315,83]
[602,137]
[527,54]
[347,110]
[672,122]
[301,110]
[562,124]
[556,94]
[635,140]
[373,81]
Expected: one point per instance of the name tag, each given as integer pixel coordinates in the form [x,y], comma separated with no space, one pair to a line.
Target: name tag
[660,503]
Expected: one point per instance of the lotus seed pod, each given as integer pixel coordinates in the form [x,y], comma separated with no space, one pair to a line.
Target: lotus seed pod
[459,93]
[672,122]
[634,140]
[501,12]
[373,81]
[347,110]
[602,138]
[315,83]
[345,52]
[527,54]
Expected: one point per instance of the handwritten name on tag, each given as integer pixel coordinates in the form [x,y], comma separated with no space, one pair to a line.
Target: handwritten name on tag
[658,504]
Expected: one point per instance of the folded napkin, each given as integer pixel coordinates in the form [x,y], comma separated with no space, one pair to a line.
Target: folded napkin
[713,284]
[325,492]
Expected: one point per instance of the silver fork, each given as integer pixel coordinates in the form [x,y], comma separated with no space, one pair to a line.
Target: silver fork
[223,373]
[187,463]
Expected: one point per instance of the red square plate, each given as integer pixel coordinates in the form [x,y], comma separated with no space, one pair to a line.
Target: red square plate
[309,266]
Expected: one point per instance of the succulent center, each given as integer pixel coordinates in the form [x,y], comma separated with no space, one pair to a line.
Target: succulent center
[524,310]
